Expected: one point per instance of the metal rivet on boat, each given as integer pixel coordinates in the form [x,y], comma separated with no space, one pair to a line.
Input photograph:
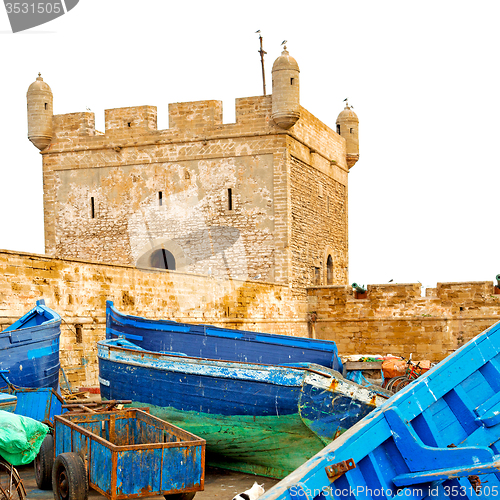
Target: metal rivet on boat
[336,470]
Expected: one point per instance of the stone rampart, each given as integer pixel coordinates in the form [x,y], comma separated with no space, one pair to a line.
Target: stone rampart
[396,319]
[78,290]
[392,319]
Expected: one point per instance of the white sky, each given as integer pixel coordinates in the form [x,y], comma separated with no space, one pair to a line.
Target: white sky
[422,76]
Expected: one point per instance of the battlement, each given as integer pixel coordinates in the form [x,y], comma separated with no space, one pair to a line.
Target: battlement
[136,119]
[405,300]
[195,115]
[396,319]
[73,125]
[197,120]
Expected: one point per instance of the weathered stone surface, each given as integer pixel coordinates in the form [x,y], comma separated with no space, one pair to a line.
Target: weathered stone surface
[225,200]
[396,319]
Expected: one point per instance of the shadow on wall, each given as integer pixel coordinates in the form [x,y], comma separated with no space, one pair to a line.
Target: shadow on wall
[180,252]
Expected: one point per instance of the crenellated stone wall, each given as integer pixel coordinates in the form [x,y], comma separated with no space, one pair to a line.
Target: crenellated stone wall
[223,199]
[396,319]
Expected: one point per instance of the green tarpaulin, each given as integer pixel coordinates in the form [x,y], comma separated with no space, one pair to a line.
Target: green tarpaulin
[20,438]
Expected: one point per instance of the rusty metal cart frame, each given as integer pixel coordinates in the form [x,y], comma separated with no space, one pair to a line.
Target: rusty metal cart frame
[125,454]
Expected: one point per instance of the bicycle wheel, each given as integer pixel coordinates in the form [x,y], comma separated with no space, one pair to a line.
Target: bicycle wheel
[391,382]
[402,384]
[11,484]
[397,383]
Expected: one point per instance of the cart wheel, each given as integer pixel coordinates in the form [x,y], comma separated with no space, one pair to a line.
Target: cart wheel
[44,462]
[69,478]
[181,496]
[11,485]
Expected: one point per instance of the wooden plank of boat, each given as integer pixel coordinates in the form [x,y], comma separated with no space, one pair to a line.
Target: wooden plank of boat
[29,348]
[265,419]
[207,341]
[437,438]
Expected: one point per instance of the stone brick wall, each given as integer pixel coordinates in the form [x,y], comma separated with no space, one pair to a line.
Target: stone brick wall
[392,319]
[319,227]
[396,319]
[103,203]
[78,291]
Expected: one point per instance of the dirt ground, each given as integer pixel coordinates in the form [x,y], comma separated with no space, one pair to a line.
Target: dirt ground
[219,484]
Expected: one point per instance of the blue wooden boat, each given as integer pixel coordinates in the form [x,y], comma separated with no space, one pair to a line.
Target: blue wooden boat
[29,348]
[438,438]
[264,419]
[206,341]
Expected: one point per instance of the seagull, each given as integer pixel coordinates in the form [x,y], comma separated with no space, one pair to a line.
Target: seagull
[283,42]
[346,99]
[257,277]
[391,280]
[258,31]
[88,109]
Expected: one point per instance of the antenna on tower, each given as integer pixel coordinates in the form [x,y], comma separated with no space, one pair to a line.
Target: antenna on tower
[262,52]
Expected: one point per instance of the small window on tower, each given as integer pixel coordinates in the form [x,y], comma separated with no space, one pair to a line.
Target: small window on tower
[160,198]
[317,276]
[45,105]
[329,270]
[338,129]
[350,130]
[229,199]
[291,81]
[129,124]
[92,208]
[79,334]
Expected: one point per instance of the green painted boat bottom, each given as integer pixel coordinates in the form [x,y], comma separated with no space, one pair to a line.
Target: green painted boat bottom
[272,446]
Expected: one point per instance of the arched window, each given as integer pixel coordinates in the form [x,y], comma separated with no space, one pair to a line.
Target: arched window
[329,270]
[162,259]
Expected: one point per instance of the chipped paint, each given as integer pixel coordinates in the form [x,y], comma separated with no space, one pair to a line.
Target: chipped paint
[236,402]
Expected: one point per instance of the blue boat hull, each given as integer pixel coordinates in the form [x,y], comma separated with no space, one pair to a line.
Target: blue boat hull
[243,410]
[212,342]
[437,438]
[29,349]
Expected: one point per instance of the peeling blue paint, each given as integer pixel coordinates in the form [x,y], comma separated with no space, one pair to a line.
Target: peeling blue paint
[206,341]
[228,391]
[40,352]
[29,349]
[436,438]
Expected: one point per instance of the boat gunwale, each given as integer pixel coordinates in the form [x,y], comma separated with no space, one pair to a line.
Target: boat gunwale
[266,368]
[154,354]
[54,318]
[317,344]
[347,447]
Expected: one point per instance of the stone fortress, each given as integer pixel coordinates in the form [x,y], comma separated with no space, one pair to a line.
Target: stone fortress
[242,225]
[263,197]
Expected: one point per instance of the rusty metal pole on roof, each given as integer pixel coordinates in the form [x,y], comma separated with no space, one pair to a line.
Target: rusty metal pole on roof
[262,52]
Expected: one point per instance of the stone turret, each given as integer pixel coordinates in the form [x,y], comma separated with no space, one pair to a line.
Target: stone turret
[40,102]
[286,101]
[347,127]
